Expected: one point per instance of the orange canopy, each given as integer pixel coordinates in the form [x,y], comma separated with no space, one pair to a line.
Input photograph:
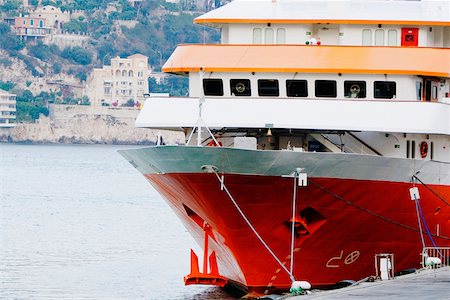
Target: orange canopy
[310,59]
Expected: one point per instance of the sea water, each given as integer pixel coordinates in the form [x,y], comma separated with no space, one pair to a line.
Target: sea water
[79,222]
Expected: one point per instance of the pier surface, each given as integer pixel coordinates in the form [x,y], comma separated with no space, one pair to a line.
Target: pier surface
[425,284]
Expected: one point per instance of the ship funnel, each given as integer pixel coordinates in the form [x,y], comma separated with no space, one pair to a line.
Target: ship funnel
[209,169]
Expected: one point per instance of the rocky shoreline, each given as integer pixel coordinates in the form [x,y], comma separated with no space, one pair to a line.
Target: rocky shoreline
[73,124]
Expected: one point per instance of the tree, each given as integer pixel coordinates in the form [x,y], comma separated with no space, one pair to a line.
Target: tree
[77,55]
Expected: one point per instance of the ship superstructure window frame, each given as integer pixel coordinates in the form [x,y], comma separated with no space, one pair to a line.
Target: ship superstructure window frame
[367,37]
[355,89]
[212,87]
[257,36]
[268,88]
[326,88]
[240,87]
[269,36]
[379,37]
[384,89]
[296,88]
[392,37]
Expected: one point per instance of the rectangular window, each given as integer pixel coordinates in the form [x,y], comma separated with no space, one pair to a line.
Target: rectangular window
[213,87]
[326,88]
[384,89]
[268,39]
[431,150]
[413,149]
[240,87]
[419,90]
[434,93]
[367,37]
[268,87]
[392,37]
[297,88]
[281,36]
[257,36]
[355,89]
[408,148]
[379,37]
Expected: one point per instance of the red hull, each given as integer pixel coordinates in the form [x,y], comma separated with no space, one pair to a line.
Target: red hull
[346,221]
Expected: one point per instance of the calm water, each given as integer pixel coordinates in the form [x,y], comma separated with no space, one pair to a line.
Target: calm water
[78,222]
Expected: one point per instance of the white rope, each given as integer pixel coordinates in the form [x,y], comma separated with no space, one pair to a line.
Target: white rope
[251,226]
[293,224]
[420,224]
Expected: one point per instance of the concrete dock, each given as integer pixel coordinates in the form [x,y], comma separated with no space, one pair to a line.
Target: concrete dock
[433,284]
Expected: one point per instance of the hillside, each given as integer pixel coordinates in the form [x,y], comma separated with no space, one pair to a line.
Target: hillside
[35,70]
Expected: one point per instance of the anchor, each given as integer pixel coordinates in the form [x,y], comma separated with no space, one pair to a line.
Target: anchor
[211,278]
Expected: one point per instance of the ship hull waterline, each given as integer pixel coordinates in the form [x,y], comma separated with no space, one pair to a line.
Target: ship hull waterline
[344,219]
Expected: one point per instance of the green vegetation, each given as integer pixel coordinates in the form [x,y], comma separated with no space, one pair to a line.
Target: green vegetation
[77,55]
[7,86]
[29,107]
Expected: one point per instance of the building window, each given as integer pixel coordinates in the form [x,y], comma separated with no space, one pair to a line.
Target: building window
[124,73]
[281,36]
[257,36]
[117,73]
[392,37]
[130,73]
[268,38]
[213,87]
[268,87]
[107,90]
[297,88]
[384,89]
[326,88]
[41,23]
[355,89]
[140,74]
[240,87]
[379,37]
[31,22]
[367,37]
[413,149]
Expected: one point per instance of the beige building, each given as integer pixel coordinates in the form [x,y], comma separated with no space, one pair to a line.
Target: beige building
[7,109]
[53,15]
[124,79]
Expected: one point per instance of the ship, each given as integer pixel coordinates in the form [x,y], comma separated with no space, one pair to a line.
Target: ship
[317,141]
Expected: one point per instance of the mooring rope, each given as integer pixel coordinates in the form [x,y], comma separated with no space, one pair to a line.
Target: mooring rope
[222,184]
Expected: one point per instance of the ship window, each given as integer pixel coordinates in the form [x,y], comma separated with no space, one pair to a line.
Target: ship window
[419,90]
[281,36]
[434,92]
[240,87]
[392,37]
[431,150]
[297,88]
[366,37]
[269,36]
[355,89]
[257,36]
[213,87]
[408,147]
[326,88]
[384,89]
[413,149]
[379,37]
[268,87]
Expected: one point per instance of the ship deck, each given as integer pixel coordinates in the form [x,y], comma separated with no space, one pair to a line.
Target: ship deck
[425,284]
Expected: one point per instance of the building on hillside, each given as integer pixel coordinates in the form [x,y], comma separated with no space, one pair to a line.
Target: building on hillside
[124,79]
[54,16]
[32,27]
[7,109]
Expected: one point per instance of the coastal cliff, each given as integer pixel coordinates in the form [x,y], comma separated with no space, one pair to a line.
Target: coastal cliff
[77,124]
